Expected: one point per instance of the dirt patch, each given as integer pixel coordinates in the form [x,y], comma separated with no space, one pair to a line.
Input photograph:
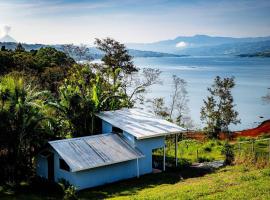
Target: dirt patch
[262,129]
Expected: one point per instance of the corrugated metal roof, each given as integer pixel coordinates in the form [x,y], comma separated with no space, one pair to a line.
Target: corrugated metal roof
[94,151]
[139,123]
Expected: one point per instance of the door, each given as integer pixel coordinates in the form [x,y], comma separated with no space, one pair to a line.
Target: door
[50,161]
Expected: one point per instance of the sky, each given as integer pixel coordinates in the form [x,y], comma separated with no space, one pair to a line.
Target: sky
[70,21]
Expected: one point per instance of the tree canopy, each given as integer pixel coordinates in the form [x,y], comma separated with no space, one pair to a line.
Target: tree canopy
[218,111]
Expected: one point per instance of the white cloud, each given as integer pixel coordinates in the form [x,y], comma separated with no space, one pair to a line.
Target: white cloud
[181,44]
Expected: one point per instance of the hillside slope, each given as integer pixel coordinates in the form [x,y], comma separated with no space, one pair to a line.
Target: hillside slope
[263,128]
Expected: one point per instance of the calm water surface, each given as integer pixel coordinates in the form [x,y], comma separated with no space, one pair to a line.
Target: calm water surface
[252,76]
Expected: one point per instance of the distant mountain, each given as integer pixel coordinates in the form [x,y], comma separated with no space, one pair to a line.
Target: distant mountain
[229,49]
[195,45]
[7,38]
[92,51]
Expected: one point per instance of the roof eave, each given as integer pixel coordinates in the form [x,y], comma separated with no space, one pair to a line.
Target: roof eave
[159,135]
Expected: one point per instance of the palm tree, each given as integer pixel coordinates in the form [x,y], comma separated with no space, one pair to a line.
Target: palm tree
[24,126]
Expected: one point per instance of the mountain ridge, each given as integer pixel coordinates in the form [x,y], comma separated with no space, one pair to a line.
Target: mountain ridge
[182,44]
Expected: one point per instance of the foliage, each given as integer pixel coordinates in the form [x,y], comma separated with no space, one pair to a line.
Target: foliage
[218,111]
[179,100]
[70,193]
[37,63]
[116,56]
[24,126]
[194,150]
[82,95]
[158,107]
[227,150]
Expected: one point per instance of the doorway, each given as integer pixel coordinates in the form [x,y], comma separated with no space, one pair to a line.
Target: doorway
[157,160]
[50,160]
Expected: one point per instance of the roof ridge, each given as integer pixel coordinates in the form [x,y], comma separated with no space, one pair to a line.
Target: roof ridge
[79,138]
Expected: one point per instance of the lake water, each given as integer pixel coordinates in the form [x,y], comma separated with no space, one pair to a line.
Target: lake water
[252,77]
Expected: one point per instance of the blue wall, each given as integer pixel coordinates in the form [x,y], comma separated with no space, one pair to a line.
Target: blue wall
[88,178]
[42,166]
[106,174]
[146,146]
[106,127]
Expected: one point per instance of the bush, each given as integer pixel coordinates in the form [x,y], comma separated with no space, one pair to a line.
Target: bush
[68,190]
[70,193]
[207,149]
[183,163]
[227,150]
[204,159]
[266,172]
[251,160]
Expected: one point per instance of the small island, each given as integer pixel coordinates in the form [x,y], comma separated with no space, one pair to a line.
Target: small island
[263,54]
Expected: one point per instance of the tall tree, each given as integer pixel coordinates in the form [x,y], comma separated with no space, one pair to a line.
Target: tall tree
[24,126]
[118,70]
[218,111]
[179,100]
[116,55]
[19,48]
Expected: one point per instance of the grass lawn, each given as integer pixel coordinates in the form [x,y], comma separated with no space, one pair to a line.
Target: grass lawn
[194,150]
[236,182]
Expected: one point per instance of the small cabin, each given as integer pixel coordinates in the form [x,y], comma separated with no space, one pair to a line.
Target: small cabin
[122,150]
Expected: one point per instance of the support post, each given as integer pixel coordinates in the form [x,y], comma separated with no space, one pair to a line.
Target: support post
[164,157]
[138,169]
[176,149]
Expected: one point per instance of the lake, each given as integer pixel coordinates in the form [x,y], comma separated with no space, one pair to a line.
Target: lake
[252,77]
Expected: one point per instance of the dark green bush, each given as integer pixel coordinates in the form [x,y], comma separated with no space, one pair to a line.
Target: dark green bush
[205,159]
[227,150]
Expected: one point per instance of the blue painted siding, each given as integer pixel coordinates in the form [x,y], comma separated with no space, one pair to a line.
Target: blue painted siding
[106,127]
[146,146]
[92,177]
[60,173]
[107,174]
[42,166]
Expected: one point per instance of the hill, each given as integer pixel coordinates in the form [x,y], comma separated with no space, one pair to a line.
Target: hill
[263,128]
[7,38]
[92,51]
[206,45]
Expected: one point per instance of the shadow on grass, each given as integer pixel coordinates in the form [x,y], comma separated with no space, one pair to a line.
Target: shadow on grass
[42,189]
[36,188]
[134,185]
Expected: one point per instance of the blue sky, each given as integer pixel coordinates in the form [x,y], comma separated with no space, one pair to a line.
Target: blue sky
[70,21]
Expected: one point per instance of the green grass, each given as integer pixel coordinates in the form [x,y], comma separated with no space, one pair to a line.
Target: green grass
[236,182]
[227,183]
[196,151]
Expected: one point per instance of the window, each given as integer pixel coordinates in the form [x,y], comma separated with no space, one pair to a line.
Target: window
[63,165]
[116,130]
